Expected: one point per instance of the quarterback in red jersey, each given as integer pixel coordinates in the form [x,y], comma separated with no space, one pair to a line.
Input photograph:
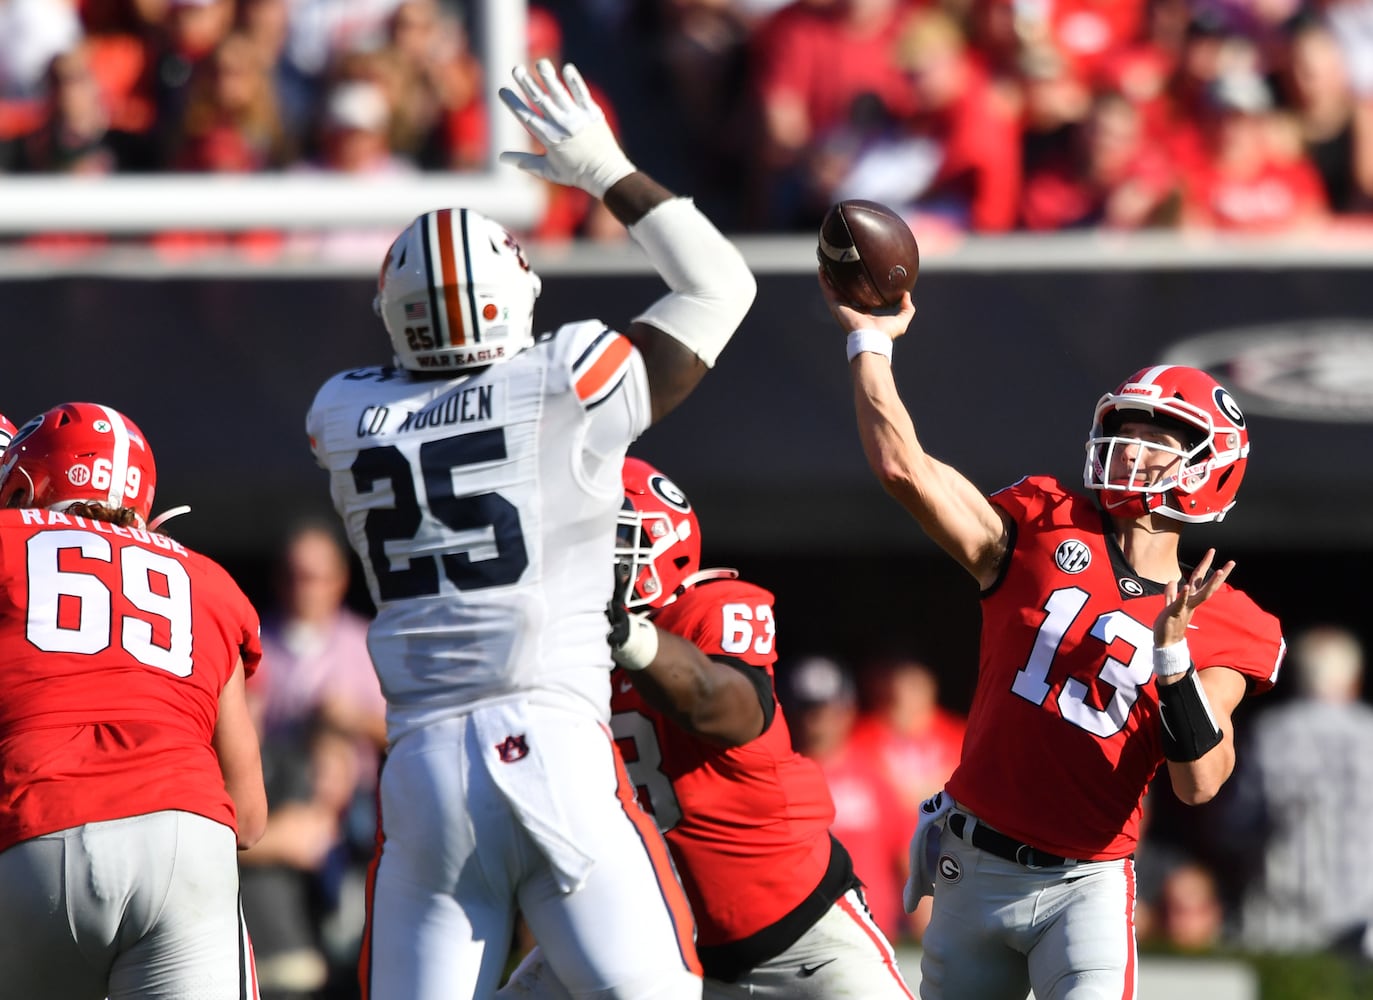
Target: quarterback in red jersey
[129,767]
[1102,658]
[779,911]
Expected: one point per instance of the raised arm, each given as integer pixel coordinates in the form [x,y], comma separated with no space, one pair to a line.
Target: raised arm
[711,288]
[952,511]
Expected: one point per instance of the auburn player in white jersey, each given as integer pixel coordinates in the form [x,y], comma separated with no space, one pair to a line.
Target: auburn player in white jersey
[479,482]
[1103,658]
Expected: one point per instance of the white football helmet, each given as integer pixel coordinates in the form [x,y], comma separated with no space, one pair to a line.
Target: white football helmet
[456,292]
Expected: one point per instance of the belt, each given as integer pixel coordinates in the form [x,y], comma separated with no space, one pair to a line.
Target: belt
[986,839]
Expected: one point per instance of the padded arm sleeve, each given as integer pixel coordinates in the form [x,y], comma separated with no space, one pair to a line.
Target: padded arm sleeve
[712,287]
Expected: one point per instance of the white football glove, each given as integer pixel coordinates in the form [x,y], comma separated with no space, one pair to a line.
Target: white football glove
[581,150]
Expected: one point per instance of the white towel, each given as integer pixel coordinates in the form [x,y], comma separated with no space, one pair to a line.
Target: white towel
[925,849]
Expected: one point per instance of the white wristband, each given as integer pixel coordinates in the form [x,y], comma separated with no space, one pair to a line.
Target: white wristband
[873,341]
[641,648]
[1169,661]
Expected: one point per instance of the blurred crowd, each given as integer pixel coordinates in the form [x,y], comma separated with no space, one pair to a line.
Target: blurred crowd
[969,116]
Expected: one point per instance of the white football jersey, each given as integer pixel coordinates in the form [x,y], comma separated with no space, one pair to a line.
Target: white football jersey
[483,510]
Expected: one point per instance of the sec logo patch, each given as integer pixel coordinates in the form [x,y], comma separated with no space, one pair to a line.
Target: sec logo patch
[1073,556]
[949,869]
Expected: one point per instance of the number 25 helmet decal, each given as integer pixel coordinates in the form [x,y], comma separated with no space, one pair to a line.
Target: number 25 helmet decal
[79,452]
[1194,407]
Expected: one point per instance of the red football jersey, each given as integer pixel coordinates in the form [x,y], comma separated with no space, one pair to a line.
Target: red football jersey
[748,826]
[1063,736]
[115,644]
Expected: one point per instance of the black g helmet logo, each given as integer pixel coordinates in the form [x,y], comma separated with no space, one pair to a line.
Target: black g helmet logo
[1227,405]
[668,492]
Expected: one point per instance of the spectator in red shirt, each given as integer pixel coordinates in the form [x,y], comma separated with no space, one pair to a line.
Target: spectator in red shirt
[1112,176]
[821,701]
[913,741]
[1246,182]
[809,63]
[917,741]
[952,166]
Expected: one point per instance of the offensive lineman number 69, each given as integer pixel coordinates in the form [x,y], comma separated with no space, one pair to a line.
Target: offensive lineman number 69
[70,611]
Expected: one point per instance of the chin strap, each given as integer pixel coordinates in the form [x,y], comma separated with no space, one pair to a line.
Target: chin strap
[167,515]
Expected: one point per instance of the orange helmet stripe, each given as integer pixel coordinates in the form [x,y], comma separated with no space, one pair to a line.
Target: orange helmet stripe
[448,277]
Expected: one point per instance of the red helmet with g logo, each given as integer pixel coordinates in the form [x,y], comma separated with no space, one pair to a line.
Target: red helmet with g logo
[1197,409]
[79,452]
[658,538]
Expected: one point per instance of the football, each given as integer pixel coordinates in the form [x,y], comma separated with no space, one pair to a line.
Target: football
[868,252]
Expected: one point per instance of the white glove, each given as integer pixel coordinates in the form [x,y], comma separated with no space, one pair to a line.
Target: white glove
[581,151]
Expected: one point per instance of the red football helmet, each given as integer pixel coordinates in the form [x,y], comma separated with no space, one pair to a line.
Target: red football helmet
[659,538]
[79,452]
[1192,405]
[7,431]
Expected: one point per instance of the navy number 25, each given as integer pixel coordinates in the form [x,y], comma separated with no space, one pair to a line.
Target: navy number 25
[438,459]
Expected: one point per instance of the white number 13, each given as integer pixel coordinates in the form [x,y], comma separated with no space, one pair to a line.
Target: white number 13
[92,629]
[1124,677]
[744,622]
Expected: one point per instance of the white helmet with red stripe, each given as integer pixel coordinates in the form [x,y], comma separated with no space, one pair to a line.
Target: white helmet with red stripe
[456,292]
[79,452]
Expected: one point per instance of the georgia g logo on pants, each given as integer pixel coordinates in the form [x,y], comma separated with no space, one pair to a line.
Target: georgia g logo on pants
[949,869]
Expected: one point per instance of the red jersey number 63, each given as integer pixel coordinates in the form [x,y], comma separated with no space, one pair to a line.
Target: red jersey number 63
[748,626]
